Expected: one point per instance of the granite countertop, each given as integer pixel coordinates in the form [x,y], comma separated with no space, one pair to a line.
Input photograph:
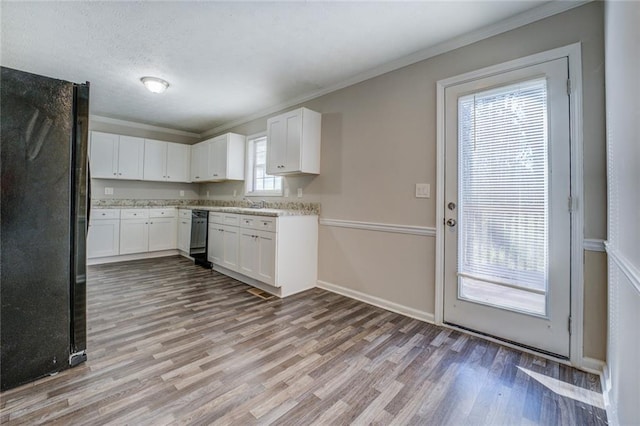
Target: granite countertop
[272,209]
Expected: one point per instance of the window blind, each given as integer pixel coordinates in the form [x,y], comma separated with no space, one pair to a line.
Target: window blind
[502,186]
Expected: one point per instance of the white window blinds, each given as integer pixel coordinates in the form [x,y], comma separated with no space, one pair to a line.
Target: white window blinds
[502,184]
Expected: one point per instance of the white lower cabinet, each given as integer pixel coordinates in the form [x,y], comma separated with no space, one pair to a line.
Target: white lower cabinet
[104,233]
[184,230]
[277,254]
[144,230]
[163,233]
[134,235]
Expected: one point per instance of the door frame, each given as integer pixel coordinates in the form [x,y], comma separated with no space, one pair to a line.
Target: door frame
[574,54]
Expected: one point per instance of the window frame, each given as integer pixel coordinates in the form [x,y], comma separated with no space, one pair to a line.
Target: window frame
[250,170]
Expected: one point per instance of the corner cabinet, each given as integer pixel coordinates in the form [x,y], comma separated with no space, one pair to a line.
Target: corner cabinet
[293,143]
[116,157]
[218,159]
[276,254]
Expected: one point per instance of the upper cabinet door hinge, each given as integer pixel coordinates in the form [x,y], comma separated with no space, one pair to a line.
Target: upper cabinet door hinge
[569,86]
[570,204]
[569,326]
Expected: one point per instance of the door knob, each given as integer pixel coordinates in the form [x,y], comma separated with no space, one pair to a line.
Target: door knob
[451,223]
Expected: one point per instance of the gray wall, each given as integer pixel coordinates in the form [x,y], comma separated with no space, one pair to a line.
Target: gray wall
[139,189]
[379,139]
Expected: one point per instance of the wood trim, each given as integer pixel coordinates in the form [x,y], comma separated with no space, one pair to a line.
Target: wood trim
[625,265]
[609,406]
[592,365]
[592,244]
[133,124]
[382,227]
[134,256]
[377,301]
[574,54]
[533,15]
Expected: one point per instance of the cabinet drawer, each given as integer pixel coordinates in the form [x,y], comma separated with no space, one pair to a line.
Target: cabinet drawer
[184,213]
[262,223]
[134,213]
[231,219]
[99,214]
[215,217]
[167,212]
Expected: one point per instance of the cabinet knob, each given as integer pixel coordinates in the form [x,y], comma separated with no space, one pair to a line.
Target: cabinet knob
[120,174]
[114,174]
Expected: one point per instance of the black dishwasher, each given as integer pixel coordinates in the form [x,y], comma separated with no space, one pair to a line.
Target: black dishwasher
[199,228]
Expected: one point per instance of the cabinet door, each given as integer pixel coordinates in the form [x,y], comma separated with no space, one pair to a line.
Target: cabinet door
[266,265]
[231,246]
[218,158]
[199,161]
[104,155]
[104,238]
[248,263]
[130,158]
[163,233]
[276,144]
[216,244]
[293,124]
[184,235]
[155,160]
[134,236]
[178,159]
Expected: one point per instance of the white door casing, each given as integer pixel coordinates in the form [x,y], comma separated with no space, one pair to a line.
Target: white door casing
[573,53]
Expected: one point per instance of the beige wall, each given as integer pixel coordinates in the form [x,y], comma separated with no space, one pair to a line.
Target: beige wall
[379,140]
[139,189]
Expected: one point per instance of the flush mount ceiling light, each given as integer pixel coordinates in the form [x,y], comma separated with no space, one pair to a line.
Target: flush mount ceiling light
[155,84]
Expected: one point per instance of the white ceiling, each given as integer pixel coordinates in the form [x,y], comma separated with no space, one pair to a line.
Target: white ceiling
[225,60]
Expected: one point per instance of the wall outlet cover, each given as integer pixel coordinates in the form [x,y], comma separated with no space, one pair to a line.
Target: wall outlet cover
[299,192]
[286,193]
[182,193]
[108,191]
[423,190]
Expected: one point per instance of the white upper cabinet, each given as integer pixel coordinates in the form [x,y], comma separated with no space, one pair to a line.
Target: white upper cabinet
[116,157]
[199,162]
[178,162]
[166,161]
[293,143]
[218,159]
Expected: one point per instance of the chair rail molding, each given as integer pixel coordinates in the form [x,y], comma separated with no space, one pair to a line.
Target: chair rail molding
[381,227]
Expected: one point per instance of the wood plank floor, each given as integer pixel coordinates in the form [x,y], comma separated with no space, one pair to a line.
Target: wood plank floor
[172,343]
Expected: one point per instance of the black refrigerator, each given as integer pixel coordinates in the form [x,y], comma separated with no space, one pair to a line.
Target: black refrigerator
[44,212]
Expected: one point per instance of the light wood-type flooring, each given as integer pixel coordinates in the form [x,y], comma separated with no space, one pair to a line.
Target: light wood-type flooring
[173,343]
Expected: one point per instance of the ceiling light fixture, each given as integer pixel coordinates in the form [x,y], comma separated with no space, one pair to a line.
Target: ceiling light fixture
[155,84]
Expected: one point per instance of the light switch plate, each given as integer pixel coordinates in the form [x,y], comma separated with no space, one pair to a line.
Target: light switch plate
[423,190]
[299,192]
[108,191]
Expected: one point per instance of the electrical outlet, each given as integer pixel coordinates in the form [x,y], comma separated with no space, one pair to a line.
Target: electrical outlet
[108,191]
[286,193]
[423,190]
[299,192]
[182,193]
[235,193]
[207,194]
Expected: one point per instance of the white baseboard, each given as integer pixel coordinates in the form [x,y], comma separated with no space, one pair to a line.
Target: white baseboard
[592,365]
[376,301]
[135,256]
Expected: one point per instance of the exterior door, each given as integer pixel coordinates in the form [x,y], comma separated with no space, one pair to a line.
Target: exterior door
[507,206]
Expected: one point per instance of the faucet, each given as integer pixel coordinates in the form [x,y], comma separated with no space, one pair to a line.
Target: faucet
[256,204]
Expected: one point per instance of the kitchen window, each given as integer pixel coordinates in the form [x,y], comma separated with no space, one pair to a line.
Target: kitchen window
[258,182]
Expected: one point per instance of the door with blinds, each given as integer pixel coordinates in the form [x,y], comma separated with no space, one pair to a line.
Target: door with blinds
[507,211]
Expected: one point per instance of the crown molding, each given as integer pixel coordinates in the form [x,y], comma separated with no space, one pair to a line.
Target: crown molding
[135,125]
[543,11]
